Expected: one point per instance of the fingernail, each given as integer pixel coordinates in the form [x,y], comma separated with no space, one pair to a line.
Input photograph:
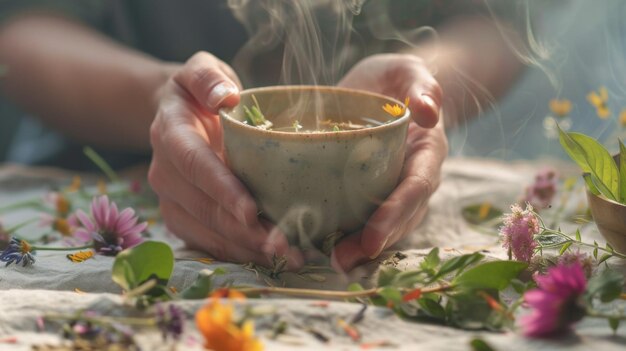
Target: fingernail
[428,100]
[220,92]
[382,247]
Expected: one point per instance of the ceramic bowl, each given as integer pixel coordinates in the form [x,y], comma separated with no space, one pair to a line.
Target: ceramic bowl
[314,184]
[610,218]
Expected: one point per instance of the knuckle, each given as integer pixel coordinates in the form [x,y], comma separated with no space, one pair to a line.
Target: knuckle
[421,184]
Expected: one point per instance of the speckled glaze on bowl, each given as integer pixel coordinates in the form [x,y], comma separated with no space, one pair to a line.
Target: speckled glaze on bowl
[610,218]
[314,184]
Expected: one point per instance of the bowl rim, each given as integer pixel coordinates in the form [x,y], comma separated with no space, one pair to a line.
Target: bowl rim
[603,198]
[225,116]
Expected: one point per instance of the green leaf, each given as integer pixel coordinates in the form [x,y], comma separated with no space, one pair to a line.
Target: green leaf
[355,287]
[595,250]
[432,260]
[386,275]
[604,257]
[203,285]
[609,247]
[593,158]
[490,275]
[607,286]
[614,324]
[565,247]
[468,310]
[480,213]
[518,285]
[432,308]
[391,294]
[590,184]
[458,263]
[622,172]
[148,260]
[478,344]
[578,236]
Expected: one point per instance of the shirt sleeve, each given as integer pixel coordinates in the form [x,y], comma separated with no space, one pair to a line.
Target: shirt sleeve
[90,12]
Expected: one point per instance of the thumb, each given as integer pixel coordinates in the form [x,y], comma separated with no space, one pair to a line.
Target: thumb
[204,78]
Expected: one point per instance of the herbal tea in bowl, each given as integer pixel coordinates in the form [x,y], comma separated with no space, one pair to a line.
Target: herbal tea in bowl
[318,160]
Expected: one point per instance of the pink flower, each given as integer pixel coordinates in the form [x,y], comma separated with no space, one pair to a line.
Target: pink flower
[557,302]
[520,227]
[112,231]
[541,193]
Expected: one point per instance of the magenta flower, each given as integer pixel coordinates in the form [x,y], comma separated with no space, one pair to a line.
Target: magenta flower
[520,227]
[557,302]
[112,231]
[541,193]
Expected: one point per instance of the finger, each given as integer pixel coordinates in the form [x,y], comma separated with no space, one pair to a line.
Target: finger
[204,77]
[349,252]
[420,178]
[425,97]
[197,236]
[169,184]
[187,147]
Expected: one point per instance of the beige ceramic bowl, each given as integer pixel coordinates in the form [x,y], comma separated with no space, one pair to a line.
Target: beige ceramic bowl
[610,217]
[313,184]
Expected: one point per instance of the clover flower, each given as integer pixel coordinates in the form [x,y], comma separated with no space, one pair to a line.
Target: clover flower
[557,302]
[170,321]
[520,227]
[584,260]
[541,193]
[112,231]
[18,251]
[215,322]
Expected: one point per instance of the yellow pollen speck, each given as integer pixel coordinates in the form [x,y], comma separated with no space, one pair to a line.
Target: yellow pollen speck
[560,108]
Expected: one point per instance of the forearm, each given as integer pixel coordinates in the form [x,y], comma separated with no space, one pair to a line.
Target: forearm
[474,61]
[80,82]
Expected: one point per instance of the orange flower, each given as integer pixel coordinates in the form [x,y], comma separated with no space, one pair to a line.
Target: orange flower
[599,100]
[228,293]
[560,108]
[215,322]
[395,109]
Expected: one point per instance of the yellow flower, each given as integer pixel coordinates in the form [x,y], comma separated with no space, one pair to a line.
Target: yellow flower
[560,108]
[80,256]
[75,186]
[622,118]
[395,109]
[215,322]
[599,100]
[102,187]
[62,226]
[62,206]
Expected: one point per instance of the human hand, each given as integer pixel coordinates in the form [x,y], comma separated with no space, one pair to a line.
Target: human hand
[201,200]
[399,76]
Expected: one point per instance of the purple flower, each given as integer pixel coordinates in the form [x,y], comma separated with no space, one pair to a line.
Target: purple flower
[170,321]
[111,230]
[520,227]
[18,251]
[557,302]
[541,193]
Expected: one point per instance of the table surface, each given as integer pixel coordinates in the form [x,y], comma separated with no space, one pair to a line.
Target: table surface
[49,286]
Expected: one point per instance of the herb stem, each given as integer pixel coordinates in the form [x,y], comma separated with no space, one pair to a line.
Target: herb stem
[330,294]
[71,248]
[579,243]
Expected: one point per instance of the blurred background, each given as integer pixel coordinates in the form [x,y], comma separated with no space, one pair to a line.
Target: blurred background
[583,47]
